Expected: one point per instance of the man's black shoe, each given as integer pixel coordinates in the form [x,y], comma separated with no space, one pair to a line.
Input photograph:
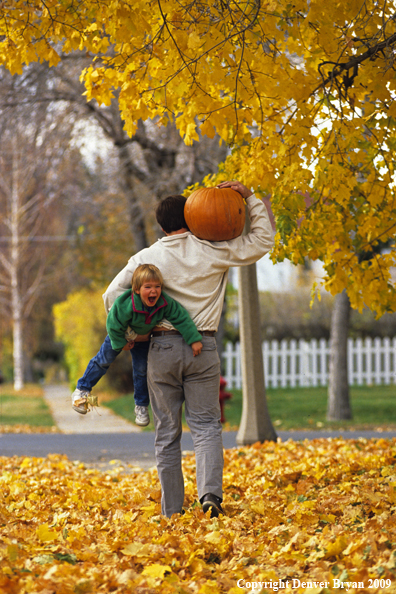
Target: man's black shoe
[210,501]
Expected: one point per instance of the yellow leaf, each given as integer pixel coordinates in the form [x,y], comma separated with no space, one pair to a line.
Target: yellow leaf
[196,566]
[45,534]
[191,133]
[17,487]
[259,508]
[333,549]
[214,537]
[207,129]
[137,549]
[210,587]
[12,552]
[194,41]
[156,570]
[151,509]
[53,57]
[327,518]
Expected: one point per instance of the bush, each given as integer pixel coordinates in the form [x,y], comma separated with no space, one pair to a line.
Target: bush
[80,324]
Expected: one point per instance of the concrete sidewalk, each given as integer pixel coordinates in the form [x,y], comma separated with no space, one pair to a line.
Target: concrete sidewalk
[99,420]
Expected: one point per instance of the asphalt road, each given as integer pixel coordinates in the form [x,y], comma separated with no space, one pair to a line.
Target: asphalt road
[132,448]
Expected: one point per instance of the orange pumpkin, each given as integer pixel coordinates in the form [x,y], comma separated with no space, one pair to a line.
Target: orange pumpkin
[216,214]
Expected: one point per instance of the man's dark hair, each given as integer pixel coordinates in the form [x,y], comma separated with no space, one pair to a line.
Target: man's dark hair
[170,213]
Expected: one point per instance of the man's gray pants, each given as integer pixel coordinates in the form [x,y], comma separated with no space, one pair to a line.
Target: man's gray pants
[175,376]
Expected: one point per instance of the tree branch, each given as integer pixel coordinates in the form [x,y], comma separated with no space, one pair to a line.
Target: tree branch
[354,62]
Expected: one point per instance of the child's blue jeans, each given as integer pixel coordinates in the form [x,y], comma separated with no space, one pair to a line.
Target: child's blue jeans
[98,366]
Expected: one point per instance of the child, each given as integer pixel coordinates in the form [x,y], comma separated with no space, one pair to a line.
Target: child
[141,308]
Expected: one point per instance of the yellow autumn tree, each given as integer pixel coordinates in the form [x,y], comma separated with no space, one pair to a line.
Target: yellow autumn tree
[303,92]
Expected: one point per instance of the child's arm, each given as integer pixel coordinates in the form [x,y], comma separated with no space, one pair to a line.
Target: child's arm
[129,346]
[196,348]
[179,317]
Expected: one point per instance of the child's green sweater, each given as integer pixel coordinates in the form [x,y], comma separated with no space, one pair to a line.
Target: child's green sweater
[128,310]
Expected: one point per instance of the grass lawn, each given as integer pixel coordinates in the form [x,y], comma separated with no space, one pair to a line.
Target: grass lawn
[24,408]
[305,408]
[301,408]
[290,408]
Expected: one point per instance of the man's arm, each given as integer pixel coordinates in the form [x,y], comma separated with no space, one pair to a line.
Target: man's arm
[120,284]
[247,249]
[246,193]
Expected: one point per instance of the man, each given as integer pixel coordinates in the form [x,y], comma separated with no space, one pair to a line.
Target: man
[195,273]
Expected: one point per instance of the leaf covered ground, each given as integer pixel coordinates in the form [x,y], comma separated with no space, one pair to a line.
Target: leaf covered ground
[25,428]
[319,510]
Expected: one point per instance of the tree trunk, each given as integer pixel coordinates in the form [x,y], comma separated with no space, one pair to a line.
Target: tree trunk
[256,423]
[17,348]
[16,301]
[138,224]
[338,406]
[220,335]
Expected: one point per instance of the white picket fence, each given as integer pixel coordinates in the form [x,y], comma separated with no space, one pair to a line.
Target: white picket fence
[306,363]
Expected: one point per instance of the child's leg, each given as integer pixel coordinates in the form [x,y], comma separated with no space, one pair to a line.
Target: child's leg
[98,366]
[139,355]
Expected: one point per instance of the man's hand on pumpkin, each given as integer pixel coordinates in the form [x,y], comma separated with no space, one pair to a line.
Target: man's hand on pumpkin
[237,186]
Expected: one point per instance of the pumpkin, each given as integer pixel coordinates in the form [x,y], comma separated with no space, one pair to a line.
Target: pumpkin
[215,214]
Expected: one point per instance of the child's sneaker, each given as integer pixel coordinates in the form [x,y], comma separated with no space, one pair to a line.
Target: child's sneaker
[80,401]
[142,416]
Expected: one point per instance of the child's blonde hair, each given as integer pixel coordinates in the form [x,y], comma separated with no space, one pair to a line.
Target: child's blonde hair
[144,273]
